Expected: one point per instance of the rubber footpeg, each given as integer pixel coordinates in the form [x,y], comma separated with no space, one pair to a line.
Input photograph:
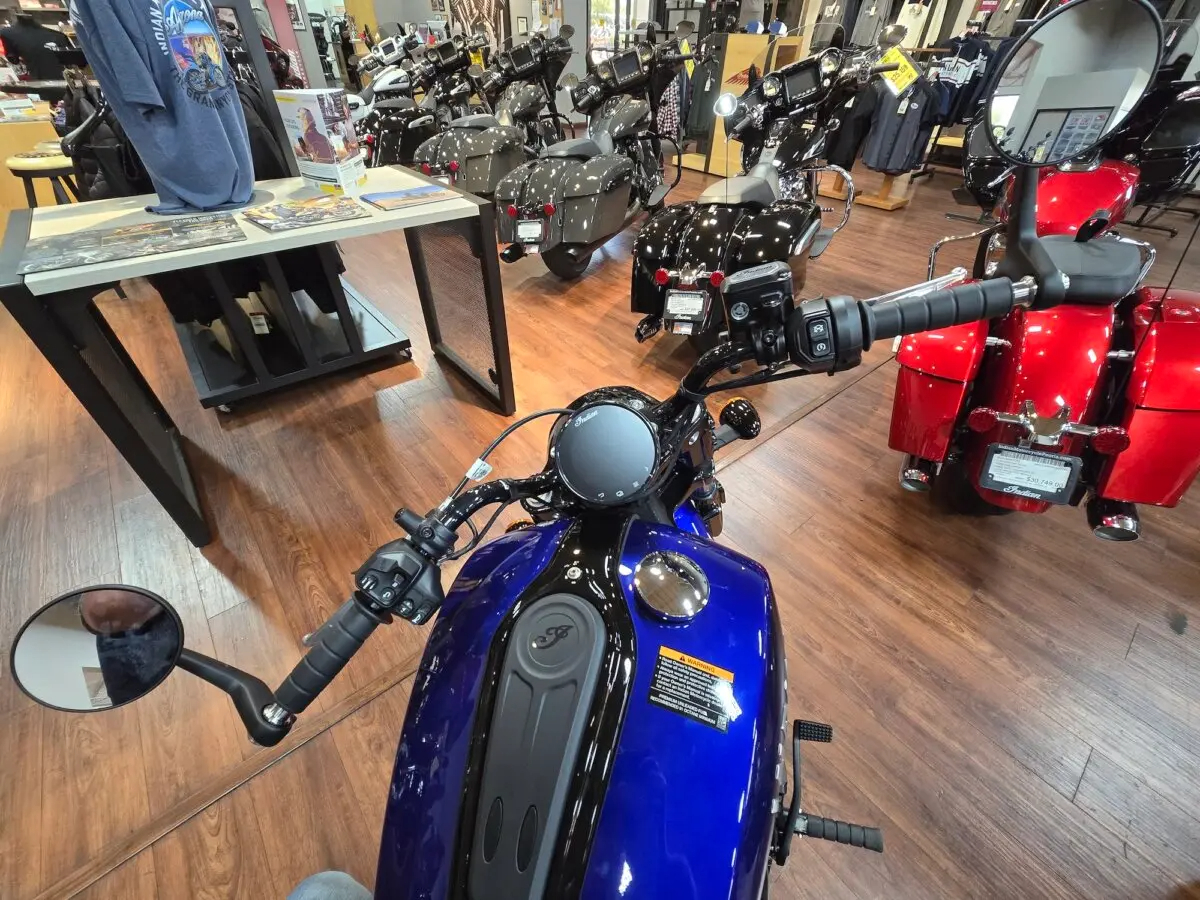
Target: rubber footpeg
[804,730]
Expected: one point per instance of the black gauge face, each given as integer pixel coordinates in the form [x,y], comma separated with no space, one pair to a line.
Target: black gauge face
[605,454]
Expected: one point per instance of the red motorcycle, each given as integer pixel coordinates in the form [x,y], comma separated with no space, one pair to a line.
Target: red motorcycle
[1094,401]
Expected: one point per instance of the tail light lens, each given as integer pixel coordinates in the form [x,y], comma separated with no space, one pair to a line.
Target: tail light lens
[452,165]
[661,277]
[716,278]
[1111,440]
[549,209]
[982,419]
[426,169]
[369,140]
[512,211]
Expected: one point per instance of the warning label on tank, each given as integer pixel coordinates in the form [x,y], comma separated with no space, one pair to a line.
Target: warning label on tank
[693,688]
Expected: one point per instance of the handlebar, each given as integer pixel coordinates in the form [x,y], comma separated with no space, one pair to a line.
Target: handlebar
[334,643]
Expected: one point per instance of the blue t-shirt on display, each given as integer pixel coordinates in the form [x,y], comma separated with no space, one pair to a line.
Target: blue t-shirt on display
[162,69]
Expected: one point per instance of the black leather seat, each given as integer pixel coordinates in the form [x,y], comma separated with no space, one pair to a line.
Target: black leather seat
[477,121]
[576,148]
[741,190]
[395,103]
[1102,271]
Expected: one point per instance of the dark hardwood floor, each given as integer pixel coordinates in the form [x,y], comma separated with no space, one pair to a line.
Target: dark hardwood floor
[1015,702]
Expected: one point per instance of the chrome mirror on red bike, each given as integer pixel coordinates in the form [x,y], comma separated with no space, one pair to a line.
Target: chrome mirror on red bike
[1072,79]
[97,648]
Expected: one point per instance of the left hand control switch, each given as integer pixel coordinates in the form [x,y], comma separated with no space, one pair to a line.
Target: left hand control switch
[402,580]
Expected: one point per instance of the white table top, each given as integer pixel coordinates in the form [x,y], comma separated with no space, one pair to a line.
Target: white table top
[56,220]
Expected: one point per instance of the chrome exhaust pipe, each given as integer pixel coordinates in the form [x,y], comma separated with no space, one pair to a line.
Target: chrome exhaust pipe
[1113,520]
[916,474]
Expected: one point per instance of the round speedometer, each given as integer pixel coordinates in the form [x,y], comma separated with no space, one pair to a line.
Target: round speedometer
[830,60]
[605,454]
[771,87]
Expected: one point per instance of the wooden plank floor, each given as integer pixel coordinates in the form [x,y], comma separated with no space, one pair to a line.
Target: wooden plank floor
[1012,698]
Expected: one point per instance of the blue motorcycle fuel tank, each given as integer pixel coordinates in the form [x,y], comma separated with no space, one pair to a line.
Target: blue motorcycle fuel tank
[664,736]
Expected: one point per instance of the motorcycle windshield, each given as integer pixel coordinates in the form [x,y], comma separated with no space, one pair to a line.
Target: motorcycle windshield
[742,111]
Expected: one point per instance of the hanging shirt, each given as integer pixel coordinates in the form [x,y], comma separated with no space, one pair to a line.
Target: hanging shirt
[34,45]
[162,68]
[900,129]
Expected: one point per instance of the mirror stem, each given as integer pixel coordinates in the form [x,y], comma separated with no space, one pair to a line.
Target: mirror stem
[250,695]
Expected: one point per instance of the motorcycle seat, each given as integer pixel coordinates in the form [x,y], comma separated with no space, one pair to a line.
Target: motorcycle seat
[741,190]
[1102,271]
[574,148]
[479,121]
[395,103]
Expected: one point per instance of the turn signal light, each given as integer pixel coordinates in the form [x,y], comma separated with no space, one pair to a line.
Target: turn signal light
[426,169]
[452,165]
[661,277]
[982,419]
[716,278]
[1110,440]
[512,211]
[548,209]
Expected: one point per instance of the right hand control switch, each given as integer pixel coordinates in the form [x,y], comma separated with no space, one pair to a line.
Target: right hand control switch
[826,334]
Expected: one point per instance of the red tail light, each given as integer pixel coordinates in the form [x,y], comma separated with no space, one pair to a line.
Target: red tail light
[512,211]
[1111,440]
[369,140]
[549,209]
[426,169]
[716,278]
[982,419]
[452,165]
[661,277]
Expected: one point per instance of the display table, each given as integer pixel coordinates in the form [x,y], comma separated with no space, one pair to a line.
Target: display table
[461,300]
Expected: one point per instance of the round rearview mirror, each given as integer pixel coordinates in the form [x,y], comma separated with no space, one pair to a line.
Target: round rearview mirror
[1073,78]
[892,36]
[475,70]
[685,29]
[726,105]
[97,648]
[566,32]
[570,81]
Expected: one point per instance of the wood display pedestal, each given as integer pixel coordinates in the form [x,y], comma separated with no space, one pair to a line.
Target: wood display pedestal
[884,198]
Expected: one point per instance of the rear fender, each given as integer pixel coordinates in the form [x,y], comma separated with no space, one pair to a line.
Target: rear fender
[529,188]
[654,247]
[1054,357]
[1162,414]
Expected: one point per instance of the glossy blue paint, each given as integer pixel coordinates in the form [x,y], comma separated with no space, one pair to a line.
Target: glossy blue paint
[688,520]
[660,833]
[688,808]
[415,854]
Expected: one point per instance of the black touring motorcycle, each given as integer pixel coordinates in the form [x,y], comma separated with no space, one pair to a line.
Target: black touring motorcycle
[767,214]
[395,128]
[583,191]
[476,151]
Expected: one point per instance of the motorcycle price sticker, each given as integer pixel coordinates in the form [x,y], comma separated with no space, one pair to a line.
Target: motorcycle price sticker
[899,80]
[693,688]
[1030,473]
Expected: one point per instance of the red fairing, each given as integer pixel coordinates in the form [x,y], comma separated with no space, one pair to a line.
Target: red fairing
[936,367]
[1057,357]
[1068,199]
[1163,416]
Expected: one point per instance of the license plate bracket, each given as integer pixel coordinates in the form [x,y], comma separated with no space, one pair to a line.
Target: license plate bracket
[685,306]
[530,231]
[1033,474]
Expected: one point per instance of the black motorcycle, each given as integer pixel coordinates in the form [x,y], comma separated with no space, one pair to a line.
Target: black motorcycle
[583,191]
[768,214]
[519,85]
[395,128]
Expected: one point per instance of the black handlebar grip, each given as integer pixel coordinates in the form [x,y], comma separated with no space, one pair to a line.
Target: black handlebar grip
[939,309]
[844,833]
[336,642]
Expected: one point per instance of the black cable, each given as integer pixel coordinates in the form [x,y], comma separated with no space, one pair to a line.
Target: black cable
[505,433]
[479,535]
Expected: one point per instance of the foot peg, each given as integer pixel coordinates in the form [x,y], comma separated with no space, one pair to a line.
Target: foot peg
[791,821]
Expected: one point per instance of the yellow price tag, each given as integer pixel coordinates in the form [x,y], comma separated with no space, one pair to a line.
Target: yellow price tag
[902,78]
[477,57]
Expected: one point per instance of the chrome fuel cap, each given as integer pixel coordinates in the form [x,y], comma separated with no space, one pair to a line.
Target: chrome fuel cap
[670,585]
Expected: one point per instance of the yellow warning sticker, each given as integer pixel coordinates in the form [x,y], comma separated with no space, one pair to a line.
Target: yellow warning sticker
[693,688]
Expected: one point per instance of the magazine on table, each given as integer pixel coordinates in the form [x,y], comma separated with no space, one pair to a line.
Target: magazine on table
[303,213]
[83,248]
[391,200]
